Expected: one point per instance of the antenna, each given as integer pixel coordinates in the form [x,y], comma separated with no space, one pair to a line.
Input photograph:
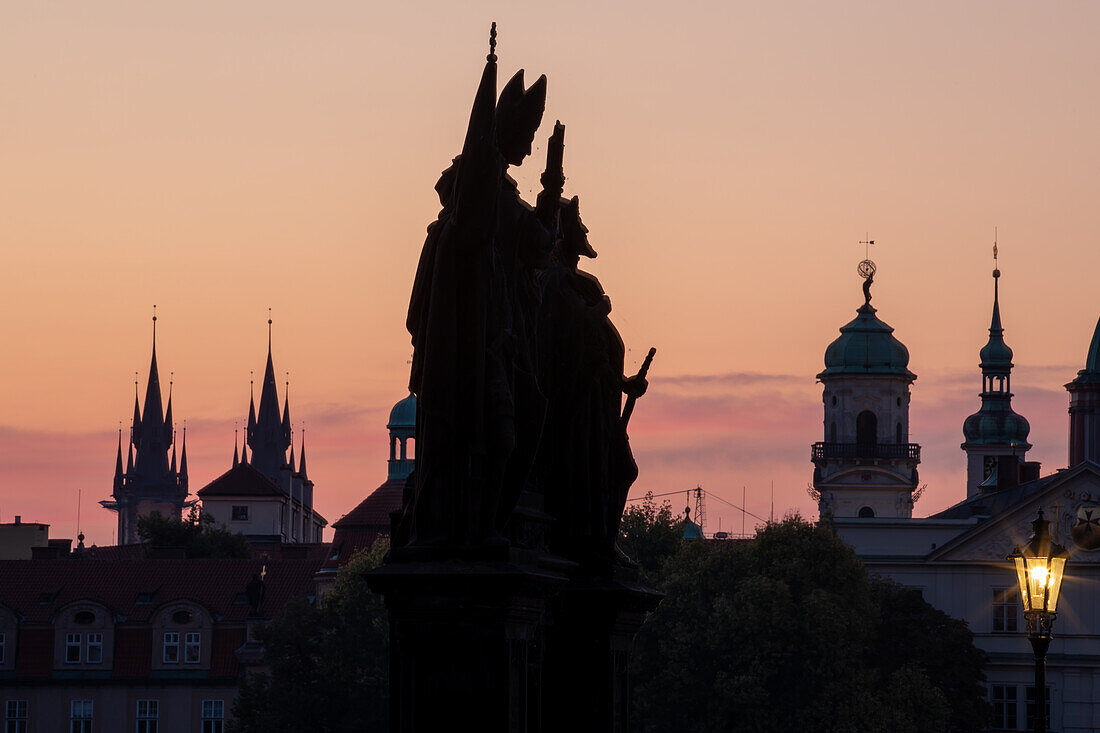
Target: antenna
[78,496]
[743,494]
[771,513]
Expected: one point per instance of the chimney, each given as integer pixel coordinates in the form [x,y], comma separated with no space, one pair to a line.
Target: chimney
[18,519]
[1008,472]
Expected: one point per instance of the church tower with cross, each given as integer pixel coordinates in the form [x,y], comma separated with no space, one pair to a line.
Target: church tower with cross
[865,466]
[150,481]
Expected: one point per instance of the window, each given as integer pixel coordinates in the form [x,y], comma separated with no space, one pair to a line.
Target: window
[866,512]
[191,647]
[213,716]
[3,647]
[1004,610]
[15,717]
[1029,695]
[1002,699]
[147,713]
[72,648]
[866,433]
[80,720]
[240,514]
[95,648]
[171,647]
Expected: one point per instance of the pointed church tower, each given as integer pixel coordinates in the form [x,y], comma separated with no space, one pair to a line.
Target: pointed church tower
[150,482]
[1084,408]
[268,434]
[866,467]
[996,437]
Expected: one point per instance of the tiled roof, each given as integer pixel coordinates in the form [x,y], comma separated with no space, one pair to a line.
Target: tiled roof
[241,480]
[993,503]
[133,652]
[213,584]
[364,524]
[223,659]
[34,653]
[374,511]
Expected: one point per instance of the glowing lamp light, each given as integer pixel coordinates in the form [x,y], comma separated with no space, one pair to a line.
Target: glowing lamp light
[1039,568]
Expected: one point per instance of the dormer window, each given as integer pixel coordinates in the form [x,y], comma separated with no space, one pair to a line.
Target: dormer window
[171,647]
[72,648]
[95,648]
[239,513]
[192,647]
[84,618]
[182,617]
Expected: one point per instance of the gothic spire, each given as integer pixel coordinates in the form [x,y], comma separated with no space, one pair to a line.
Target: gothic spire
[269,439]
[183,460]
[118,463]
[302,465]
[236,460]
[173,468]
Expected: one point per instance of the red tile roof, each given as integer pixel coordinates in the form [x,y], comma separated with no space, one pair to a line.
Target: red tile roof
[223,651]
[374,511]
[364,524]
[34,653]
[213,584]
[133,652]
[241,480]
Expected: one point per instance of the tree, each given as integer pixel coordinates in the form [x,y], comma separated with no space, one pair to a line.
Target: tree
[649,535]
[789,632]
[197,534]
[327,665]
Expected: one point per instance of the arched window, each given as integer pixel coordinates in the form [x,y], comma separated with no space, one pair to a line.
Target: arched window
[866,512]
[832,433]
[897,436]
[866,433]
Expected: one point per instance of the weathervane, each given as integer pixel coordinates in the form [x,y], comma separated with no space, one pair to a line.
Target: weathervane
[996,269]
[866,268]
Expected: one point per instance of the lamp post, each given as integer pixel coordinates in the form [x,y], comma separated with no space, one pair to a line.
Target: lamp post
[1039,568]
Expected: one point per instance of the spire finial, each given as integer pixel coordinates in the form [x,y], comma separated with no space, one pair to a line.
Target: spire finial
[866,268]
[492,57]
[154,325]
[996,270]
[269,330]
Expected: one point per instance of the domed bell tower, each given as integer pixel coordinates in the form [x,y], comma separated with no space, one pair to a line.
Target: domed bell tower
[996,436]
[865,466]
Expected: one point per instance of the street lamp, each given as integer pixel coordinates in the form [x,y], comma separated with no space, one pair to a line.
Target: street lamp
[1039,568]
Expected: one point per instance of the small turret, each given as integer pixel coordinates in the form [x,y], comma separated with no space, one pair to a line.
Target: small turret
[996,436]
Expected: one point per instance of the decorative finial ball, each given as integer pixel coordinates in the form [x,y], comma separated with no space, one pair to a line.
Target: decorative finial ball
[866,269]
[80,537]
[997,272]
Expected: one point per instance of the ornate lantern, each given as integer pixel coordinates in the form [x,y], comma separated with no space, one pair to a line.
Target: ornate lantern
[1039,568]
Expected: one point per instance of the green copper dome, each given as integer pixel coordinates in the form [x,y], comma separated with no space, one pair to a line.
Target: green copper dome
[403,414]
[996,424]
[867,346]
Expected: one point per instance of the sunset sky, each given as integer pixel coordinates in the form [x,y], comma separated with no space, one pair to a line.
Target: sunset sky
[218,159]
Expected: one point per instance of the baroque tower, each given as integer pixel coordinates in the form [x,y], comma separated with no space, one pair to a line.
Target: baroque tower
[1084,408]
[996,437]
[149,482]
[866,466]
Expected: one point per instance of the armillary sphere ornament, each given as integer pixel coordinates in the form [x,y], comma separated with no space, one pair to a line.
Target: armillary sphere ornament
[866,269]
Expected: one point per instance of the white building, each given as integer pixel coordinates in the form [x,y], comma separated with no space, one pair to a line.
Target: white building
[865,479]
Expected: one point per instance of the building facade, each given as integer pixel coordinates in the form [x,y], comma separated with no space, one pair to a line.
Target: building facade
[957,558]
[147,645]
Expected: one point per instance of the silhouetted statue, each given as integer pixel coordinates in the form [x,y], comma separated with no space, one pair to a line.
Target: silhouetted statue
[585,466]
[479,411]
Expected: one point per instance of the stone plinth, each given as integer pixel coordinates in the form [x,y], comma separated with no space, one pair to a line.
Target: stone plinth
[465,643]
[589,635]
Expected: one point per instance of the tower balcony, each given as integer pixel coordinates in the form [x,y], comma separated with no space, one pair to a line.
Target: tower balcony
[865,451]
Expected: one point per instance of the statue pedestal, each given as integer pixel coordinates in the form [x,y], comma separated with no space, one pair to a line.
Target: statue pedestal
[589,635]
[464,643]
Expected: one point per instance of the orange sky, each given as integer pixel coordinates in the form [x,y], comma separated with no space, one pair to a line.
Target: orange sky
[218,159]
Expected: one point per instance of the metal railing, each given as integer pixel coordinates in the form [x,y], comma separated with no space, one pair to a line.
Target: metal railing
[895,451]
